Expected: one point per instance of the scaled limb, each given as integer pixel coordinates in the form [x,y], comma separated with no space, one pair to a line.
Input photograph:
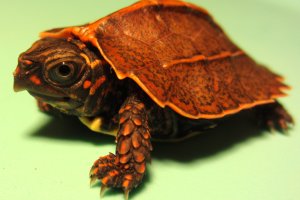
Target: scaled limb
[274,116]
[126,168]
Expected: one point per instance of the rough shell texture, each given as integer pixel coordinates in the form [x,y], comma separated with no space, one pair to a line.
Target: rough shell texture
[180,57]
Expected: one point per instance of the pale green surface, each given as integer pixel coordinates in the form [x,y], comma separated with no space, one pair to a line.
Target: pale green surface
[42,159]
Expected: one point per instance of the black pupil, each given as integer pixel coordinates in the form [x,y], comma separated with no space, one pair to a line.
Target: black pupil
[64,70]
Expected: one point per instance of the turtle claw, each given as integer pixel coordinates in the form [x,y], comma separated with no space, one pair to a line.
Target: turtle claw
[114,174]
[102,190]
[93,180]
[270,126]
[275,118]
[93,177]
[126,194]
[92,170]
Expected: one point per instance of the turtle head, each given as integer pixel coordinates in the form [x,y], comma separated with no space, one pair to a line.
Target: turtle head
[63,73]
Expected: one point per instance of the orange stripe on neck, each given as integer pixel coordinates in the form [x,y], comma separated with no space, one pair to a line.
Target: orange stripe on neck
[97,84]
[35,80]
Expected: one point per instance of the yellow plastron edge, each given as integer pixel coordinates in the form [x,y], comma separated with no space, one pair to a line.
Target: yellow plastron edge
[95,125]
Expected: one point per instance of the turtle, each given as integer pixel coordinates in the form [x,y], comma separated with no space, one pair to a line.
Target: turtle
[158,69]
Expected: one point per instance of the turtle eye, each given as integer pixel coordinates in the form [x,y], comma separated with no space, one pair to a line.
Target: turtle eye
[63,73]
[65,70]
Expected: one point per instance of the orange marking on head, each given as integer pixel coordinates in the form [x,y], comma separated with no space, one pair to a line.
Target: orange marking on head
[34,79]
[27,62]
[87,84]
[97,84]
[95,63]
[87,60]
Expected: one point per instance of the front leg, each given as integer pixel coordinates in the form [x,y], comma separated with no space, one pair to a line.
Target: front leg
[125,169]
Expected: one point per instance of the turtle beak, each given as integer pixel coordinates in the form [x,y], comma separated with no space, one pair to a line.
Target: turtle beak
[18,87]
[22,74]
[18,83]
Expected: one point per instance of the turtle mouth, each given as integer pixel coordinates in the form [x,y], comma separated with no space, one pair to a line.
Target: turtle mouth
[56,101]
[49,97]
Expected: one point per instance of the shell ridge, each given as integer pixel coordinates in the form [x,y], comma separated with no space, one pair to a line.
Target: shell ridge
[201,57]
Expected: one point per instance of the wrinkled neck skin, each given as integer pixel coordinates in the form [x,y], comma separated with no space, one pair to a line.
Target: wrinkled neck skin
[107,100]
[106,93]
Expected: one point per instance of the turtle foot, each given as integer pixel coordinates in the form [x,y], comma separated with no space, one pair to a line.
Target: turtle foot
[113,174]
[275,117]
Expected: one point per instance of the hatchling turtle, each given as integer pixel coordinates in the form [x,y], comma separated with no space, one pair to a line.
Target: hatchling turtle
[156,69]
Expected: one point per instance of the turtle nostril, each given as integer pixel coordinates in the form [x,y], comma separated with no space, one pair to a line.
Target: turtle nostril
[25,64]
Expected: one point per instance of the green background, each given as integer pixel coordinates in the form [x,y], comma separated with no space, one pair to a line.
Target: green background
[45,158]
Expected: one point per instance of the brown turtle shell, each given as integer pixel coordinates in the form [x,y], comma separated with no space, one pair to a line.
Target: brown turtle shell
[180,57]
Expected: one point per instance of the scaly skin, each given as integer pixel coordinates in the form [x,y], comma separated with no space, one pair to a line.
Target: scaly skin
[127,167]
